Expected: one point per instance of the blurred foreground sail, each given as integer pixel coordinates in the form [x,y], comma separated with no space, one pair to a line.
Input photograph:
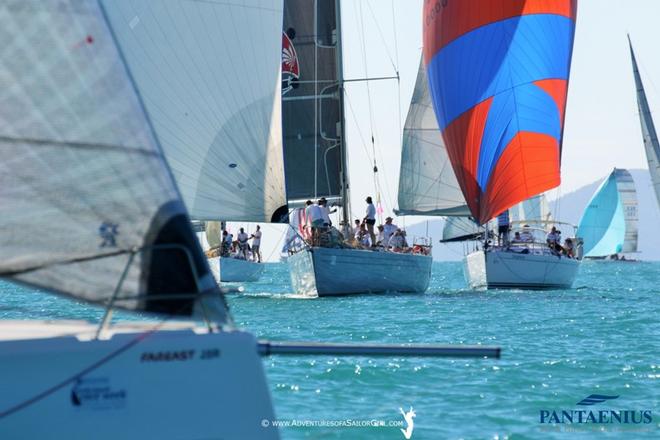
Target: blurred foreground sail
[82,167]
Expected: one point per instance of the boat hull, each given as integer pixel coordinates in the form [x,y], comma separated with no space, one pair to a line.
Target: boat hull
[511,270]
[233,270]
[169,385]
[329,271]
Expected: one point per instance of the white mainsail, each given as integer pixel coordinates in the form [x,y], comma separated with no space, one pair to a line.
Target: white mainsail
[651,144]
[81,166]
[209,74]
[427,184]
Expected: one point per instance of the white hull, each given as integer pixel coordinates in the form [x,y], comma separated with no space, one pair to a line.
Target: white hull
[329,271]
[233,270]
[173,384]
[511,270]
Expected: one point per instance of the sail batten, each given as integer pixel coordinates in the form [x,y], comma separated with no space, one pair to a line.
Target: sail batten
[498,76]
[649,135]
[209,75]
[83,171]
[427,183]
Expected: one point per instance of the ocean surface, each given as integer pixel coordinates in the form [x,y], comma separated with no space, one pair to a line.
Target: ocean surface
[603,337]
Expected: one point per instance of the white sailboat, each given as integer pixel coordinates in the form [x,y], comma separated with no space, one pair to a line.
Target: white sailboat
[226,269]
[649,135]
[209,75]
[313,121]
[499,99]
[80,160]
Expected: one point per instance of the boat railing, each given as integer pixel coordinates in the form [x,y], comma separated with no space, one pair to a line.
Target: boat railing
[132,253]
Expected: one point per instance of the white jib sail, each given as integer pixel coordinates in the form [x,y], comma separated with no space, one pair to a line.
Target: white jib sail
[427,184]
[209,74]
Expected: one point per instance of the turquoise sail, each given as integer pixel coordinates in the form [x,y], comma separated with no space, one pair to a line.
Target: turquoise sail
[602,226]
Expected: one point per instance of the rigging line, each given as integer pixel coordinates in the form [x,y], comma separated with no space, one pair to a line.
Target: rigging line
[371,122]
[380,33]
[357,125]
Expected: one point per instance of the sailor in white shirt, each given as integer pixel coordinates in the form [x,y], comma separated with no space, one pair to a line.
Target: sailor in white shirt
[314,219]
[389,229]
[256,243]
[355,228]
[370,219]
[325,212]
[242,238]
[380,239]
[526,235]
[396,241]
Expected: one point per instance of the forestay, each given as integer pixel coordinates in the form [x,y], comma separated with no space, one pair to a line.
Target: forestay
[498,76]
[649,135]
[427,183]
[83,183]
[209,74]
[311,102]
[602,226]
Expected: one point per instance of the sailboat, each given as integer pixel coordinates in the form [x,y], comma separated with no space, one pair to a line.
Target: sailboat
[649,135]
[210,79]
[608,225]
[498,79]
[313,125]
[228,268]
[81,159]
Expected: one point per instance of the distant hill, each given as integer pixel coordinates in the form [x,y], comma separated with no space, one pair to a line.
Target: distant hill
[570,207]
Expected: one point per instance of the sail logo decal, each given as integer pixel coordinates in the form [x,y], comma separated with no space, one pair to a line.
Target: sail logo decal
[290,66]
[593,399]
[108,232]
[97,394]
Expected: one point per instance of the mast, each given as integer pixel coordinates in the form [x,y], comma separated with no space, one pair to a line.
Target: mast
[649,135]
[343,175]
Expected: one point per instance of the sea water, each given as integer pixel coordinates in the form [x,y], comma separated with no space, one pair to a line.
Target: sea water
[558,347]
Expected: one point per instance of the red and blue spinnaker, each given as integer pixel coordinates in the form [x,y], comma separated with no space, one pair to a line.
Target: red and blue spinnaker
[498,75]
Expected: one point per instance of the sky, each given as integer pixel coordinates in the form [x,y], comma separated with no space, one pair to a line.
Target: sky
[602,129]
